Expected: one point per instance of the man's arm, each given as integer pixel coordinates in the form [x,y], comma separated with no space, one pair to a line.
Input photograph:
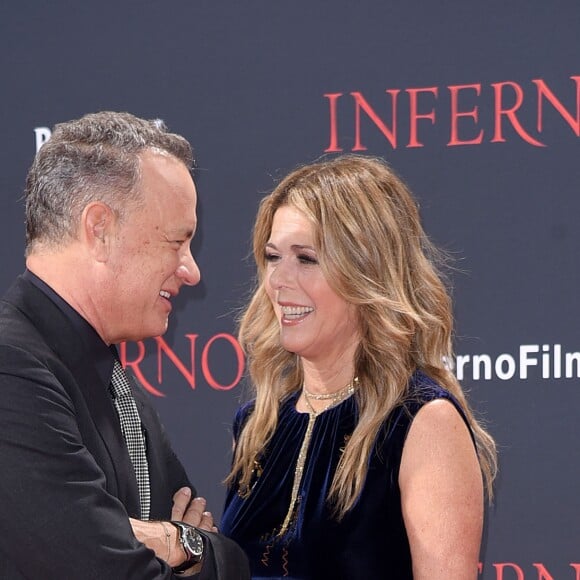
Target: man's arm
[58,519]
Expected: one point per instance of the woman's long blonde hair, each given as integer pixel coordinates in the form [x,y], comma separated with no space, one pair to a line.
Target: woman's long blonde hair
[375,255]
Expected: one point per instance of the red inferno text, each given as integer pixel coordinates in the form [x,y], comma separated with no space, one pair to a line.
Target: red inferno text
[512,571]
[474,113]
[198,361]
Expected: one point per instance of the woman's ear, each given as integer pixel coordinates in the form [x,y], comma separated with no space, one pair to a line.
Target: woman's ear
[97,229]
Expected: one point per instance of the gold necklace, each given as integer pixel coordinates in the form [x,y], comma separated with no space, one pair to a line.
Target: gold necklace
[335,398]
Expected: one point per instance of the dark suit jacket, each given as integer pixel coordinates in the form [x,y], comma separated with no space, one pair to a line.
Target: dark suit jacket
[66,481]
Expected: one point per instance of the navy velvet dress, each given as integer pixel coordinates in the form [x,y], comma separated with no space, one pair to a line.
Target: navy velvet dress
[370,542]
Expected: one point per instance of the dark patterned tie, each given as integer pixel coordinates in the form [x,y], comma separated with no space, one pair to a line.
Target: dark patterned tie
[133,434]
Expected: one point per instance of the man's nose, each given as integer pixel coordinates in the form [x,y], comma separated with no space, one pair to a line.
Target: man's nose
[188,270]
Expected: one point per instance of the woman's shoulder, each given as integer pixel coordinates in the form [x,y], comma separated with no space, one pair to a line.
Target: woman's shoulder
[422,389]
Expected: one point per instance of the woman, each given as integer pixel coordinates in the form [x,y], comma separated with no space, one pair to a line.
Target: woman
[359,457]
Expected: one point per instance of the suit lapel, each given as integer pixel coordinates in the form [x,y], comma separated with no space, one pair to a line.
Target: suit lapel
[106,423]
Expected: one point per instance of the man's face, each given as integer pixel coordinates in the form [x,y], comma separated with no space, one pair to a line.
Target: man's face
[150,256]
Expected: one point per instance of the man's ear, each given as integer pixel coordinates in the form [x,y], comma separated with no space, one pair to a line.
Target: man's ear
[97,229]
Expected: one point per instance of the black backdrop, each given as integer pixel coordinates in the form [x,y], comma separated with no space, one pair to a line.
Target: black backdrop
[476,105]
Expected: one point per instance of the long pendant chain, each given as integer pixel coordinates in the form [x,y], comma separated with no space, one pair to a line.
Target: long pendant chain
[299,472]
[335,399]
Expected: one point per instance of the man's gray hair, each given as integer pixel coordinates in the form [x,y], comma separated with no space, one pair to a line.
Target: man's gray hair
[94,158]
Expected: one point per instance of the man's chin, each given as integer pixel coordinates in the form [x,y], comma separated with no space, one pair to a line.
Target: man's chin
[154,331]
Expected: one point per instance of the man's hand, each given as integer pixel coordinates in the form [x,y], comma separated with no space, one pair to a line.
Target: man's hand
[161,537]
[192,511]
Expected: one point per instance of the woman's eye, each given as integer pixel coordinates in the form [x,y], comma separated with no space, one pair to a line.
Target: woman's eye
[305,259]
[270,257]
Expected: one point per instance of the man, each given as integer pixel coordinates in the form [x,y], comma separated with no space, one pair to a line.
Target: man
[88,481]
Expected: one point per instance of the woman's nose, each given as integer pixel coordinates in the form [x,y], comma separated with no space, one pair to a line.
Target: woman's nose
[281,275]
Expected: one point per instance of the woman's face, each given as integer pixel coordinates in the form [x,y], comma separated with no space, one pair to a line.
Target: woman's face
[315,322]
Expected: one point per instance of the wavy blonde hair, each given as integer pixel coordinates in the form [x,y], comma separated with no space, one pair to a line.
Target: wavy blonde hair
[374,254]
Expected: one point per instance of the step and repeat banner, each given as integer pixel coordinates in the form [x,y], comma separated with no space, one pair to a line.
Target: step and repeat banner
[475,104]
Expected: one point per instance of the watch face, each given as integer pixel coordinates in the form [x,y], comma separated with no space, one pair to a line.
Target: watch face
[194,542]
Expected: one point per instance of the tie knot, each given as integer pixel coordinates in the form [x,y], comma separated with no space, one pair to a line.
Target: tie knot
[120,381]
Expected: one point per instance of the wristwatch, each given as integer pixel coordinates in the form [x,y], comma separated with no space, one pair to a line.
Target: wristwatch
[192,544]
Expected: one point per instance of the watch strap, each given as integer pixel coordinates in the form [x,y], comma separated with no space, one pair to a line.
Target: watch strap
[193,556]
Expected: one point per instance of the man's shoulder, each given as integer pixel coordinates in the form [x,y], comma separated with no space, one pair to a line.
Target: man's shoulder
[20,306]
[32,331]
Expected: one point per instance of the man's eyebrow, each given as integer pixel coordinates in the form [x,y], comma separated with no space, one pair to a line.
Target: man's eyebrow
[181,233]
